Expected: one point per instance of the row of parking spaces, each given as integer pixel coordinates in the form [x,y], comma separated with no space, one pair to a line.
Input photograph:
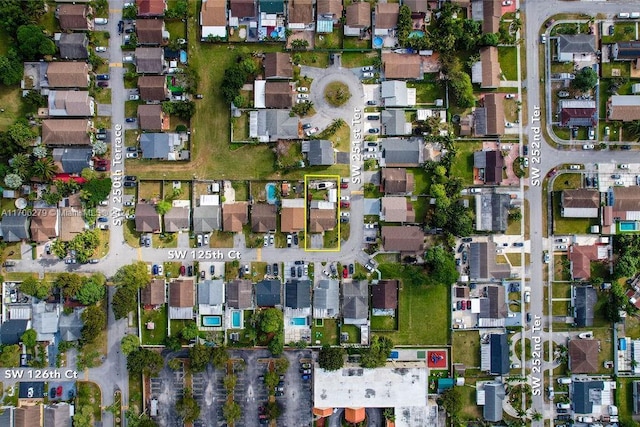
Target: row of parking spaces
[296,270]
[211,270]
[209,392]
[296,398]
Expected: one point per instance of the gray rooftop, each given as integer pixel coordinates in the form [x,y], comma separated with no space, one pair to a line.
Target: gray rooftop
[493,395]
[355,304]
[272,124]
[73,45]
[12,330]
[73,160]
[585,298]
[499,354]
[70,326]
[394,122]
[158,145]
[494,211]
[585,395]
[394,93]
[268,293]
[206,219]
[15,227]
[319,152]
[298,293]
[576,43]
[45,320]
[326,299]
[402,152]
[211,292]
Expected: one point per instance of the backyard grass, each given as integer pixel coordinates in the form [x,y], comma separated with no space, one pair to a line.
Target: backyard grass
[470,410]
[325,334]
[466,348]
[314,59]
[341,138]
[149,190]
[421,179]
[11,101]
[427,92]
[508,58]
[561,290]
[354,333]
[623,31]
[355,43]
[561,308]
[331,40]
[383,323]
[157,335]
[616,69]
[241,128]
[176,29]
[241,189]
[221,239]
[462,166]
[418,295]
[569,225]
[624,400]
[358,59]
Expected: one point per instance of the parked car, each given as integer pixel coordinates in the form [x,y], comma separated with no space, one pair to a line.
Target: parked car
[563,94]
[102,77]
[101,49]
[588,147]
[518,244]
[129,184]
[351,269]
[101,21]
[367,75]
[612,30]
[374,130]
[295,239]
[103,84]
[592,133]
[368,68]
[303,89]
[624,166]
[134,97]
[132,155]
[575,167]
[275,269]
[464,257]
[344,205]
[312,131]
[130,178]
[303,96]
[183,270]
[371,102]
[132,149]
[289,240]
[154,270]
[130,120]
[345,272]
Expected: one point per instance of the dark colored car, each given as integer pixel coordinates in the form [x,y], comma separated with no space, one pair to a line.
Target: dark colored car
[103,84]
[130,184]
[295,239]
[525,149]
[52,393]
[528,317]
[132,149]
[458,261]
[202,275]
[461,248]
[464,256]
[351,269]
[459,305]
[130,120]
[518,244]
[344,219]
[371,102]
[468,304]
[130,30]
[103,219]
[299,271]
[625,147]
[101,168]
[373,117]
[130,178]
[102,77]
[190,271]
[293,272]
[154,270]
[275,269]
[612,30]
[183,270]
[212,270]
[467,240]
[374,130]
[344,204]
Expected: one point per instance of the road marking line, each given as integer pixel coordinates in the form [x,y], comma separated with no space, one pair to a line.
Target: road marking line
[86,374]
[357,193]
[139,254]
[259,254]
[115,64]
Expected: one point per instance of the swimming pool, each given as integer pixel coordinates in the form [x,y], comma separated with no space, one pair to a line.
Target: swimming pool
[183,56]
[416,33]
[271,193]
[377,42]
[299,321]
[628,226]
[236,319]
[211,320]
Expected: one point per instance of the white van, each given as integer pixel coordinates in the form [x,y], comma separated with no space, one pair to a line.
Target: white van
[624,15]
[101,21]
[527,297]
[634,15]
[587,420]
[563,406]
[565,380]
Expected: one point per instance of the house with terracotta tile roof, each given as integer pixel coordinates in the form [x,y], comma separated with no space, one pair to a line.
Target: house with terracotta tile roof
[580,258]
[492,12]
[329,10]
[490,76]
[300,15]
[181,299]
[71,223]
[580,203]
[625,108]
[234,216]
[396,209]
[147,218]
[213,19]
[358,19]
[277,65]
[45,224]
[67,75]
[396,181]
[151,32]
[278,94]
[263,218]
[583,356]
[154,294]
[151,7]
[60,132]
[153,88]
[386,18]
[384,297]
[241,9]
[401,66]
[407,240]
[321,220]
[577,112]
[292,215]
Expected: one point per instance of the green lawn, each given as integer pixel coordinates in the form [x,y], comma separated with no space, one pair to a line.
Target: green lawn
[624,400]
[569,225]
[561,290]
[355,43]
[358,59]
[89,394]
[383,323]
[176,28]
[157,335]
[427,92]
[470,411]
[325,334]
[354,333]
[330,40]
[622,67]
[418,296]
[462,166]
[11,101]
[623,31]
[466,348]
[421,179]
[508,58]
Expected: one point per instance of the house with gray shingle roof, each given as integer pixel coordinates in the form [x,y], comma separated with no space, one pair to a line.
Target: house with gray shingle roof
[394,123]
[298,294]
[239,294]
[319,152]
[71,103]
[400,152]
[70,325]
[355,302]
[72,45]
[73,160]
[210,297]
[571,45]
[161,146]
[272,125]
[326,299]
[268,293]
[494,395]
[206,219]
[395,93]
[177,219]
[15,227]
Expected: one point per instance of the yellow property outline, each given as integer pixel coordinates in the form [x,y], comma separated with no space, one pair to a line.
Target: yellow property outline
[306,206]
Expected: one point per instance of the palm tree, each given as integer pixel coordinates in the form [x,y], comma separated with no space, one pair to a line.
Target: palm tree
[44,168]
[536,416]
[633,128]
[21,164]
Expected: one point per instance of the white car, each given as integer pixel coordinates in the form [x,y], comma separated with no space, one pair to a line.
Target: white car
[206,240]
[368,68]
[345,198]
[509,96]
[132,155]
[101,21]
[101,49]
[619,182]
[370,225]
[507,3]
[134,97]
[588,147]
[160,269]
[303,96]
[289,239]
[575,167]
[624,166]
[303,89]
[526,162]
[367,75]
[345,214]
[311,131]
[266,240]
[370,156]
[182,41]
[561,247]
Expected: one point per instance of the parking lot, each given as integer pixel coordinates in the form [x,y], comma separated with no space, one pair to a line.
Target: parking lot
[617,175]
[208,390]
[297,392]
[167,388]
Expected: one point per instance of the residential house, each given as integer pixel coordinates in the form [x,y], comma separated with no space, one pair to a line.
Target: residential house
[278,94]
[178,218]
[263,218]
[277,65]
[72,45]
[495,355]
[206,219]
[147,218]
[626,203]
[326,299]
[153,88]
[493,307]
[394,123]
[577,112]
[67,75]
[492,211]
[396,209]
[71,103]
[488,166]
[625,51]
[210,297]
[580,258]
[74,17]
[396,181]
[181,299]
[636,397]
[70,325]
[45,225]
[355,302]
[239,294]
[482,262]
[151,7]
[242,10]
[11,331]
[44,320]
[152,118]
[29,415]
[386,18]
[268,293]
[494,394]
[57,415]
[402,152]
[490,76]
[297,294]
[151,31]
[213,19]
[401,66]
[416,6]
[624,107]
[71,223]
[319,152]
[494,114]
[154,294]
[408,240]
[15,226]
[300,15]
[292,215]
[7,416]
[149,60]
[576,47]
[584,301]
[273,125]
[358,19]
[580,203]
[583,356]
[593,397]
[160,146]
[329,13]
[395,93]
[492,12]
[384,297]
[66,132]
[234,216]
[321,220]
[272,7]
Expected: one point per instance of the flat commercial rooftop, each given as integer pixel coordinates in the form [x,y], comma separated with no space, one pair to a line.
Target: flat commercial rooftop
[400,384]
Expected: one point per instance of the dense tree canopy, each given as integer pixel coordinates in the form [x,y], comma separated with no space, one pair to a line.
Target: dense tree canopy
[92,289]
[331,358]
[187,407]
[144,361]
[94,320]
[124,301]
[34,43]
[129,344]
[34,287]
[442,265]
[132,275]
[378,352]
[586,79]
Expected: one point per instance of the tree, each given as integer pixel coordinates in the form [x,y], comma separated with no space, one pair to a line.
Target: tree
[133,275]
[172,343]
[10,356]
[271,320]
[29,338]
[273,410]
[130,12]
[92,290]
[144,361]
[124,301]
[377,353]
[282,364]
[11,69]
[331,358]
[229,381]
[451,401]
[625,266]
[180,9]
[21,164]
[187,407]
[33,43]
[190,331]
[442,265]
[94,320]
[12,180]
[219,357]
[129,344]
[163,207]
[69,283]
[200,356]
[231,412]
[34,287]
[21,133]
[489,39]
[299,44]
[96,191]
[14,13]
[585,80]
[458,80]
[39,151]
[83,417]
[99,147]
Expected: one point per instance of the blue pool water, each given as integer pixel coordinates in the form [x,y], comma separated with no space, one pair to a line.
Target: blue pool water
[628,226]
[236,319]
[299,321]
[271,193]
[416,33]
[377,42]
[183,56]
[211,320]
